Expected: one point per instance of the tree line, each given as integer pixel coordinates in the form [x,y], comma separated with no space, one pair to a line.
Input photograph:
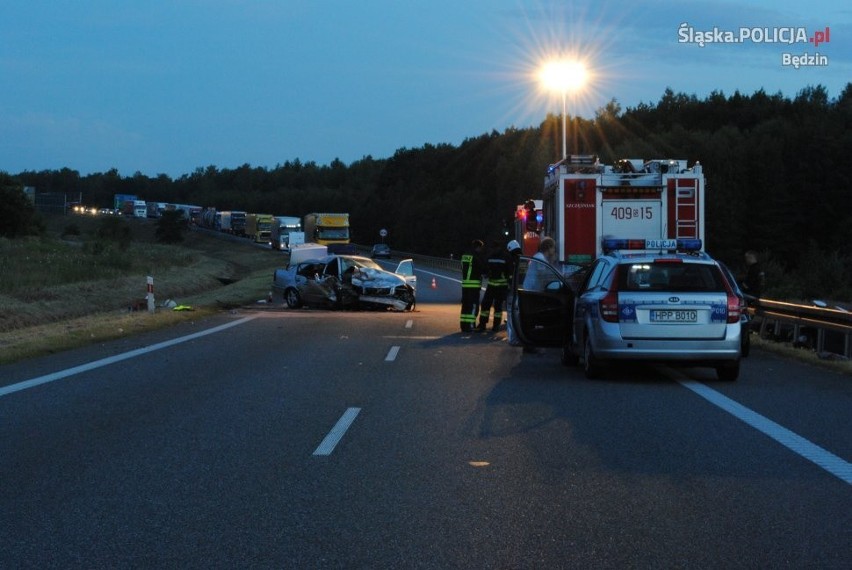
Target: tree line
[774,167]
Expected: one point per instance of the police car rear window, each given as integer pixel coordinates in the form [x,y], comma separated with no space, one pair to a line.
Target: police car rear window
[679,277]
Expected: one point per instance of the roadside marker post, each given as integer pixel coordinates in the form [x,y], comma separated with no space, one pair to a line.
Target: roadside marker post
[150,294]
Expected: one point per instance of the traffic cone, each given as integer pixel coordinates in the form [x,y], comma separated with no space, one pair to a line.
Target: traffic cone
[434,283]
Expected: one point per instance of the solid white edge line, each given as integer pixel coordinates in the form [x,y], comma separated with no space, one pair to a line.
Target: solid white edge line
[392,353]
[337,432]
[833,464]
[32,382]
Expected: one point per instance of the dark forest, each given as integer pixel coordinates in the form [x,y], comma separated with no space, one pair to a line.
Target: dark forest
[774,166]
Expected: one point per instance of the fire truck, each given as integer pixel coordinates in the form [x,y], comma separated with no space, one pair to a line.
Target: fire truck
[528,224]
[585,201]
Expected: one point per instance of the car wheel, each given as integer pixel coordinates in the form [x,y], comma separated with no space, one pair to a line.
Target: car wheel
[294,300]
[409,299]
[728,372]
[568,356]
[746,345]
[591,365]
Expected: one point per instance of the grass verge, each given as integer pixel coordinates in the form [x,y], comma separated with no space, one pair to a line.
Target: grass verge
[50,313]
[787,350]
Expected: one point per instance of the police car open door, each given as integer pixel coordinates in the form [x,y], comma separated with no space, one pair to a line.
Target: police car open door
[542,303]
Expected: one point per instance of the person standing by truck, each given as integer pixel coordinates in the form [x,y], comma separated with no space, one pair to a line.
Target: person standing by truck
[536,276]
[514,249]
[472,271]
[498,263]
[535,279]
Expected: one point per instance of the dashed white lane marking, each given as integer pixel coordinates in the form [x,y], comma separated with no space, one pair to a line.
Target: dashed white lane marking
[392,354]
[32,382]
[336,434]
[409,323]
[835,465]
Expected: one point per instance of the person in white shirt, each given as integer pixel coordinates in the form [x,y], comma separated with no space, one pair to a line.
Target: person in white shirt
[535,277]
[537,274]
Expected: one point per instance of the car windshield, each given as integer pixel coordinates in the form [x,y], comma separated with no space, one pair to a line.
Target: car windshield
[332,233]
[359,262]
[668,276]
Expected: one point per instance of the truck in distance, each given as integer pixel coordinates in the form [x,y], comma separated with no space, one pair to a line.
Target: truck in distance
[282,232]
[327,229]
[258,227]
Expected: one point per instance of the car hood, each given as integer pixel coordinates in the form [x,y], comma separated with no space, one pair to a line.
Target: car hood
[367,276]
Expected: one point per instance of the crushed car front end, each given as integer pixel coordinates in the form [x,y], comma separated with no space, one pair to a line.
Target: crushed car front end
[383,289]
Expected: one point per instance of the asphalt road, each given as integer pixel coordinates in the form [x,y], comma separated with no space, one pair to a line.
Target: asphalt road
[315,439]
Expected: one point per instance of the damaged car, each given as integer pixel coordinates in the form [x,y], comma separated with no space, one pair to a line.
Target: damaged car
[347,282]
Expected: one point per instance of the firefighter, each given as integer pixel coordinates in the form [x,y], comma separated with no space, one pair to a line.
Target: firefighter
[514,249]
[472,271]
[498,265]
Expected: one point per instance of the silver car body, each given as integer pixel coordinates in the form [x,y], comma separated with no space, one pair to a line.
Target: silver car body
[662,307]
[343,281]
[380,250]
[656,320]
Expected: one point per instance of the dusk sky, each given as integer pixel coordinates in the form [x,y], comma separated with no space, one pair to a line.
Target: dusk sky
[170,86]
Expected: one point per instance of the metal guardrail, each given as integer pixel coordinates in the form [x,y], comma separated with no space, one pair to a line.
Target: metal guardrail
[776,314]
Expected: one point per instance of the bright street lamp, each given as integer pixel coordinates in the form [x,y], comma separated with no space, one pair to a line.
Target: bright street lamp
[563,76]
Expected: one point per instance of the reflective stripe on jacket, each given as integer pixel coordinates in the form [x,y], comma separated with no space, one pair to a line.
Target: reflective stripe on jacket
[497,272]
[468,277]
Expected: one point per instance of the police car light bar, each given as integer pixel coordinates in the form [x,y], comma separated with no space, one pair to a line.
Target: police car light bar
[611,244]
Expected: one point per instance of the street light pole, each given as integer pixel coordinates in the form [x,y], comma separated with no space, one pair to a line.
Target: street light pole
[564,125]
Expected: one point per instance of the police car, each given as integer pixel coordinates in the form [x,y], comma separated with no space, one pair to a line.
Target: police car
[648,300]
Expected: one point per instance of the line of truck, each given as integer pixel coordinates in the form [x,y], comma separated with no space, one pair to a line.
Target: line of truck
[278,231]
[131,205]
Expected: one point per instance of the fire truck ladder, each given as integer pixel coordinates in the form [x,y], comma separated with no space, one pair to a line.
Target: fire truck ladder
[686,202]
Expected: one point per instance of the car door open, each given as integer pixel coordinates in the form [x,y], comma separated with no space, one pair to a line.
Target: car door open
[542,302]
[406,270]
